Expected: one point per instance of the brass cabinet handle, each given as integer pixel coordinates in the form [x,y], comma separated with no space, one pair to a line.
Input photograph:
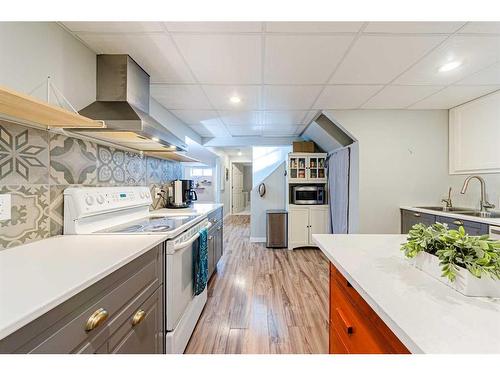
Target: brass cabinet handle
[96,319]
[458,222]
[348,327]
[138,317]
[210,238]
[416,214]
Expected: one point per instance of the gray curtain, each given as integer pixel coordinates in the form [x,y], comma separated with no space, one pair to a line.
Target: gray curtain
[338,190]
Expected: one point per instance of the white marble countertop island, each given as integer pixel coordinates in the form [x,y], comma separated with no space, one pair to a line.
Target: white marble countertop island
[425,314]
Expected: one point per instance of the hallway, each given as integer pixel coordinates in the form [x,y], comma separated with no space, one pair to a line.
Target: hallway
[264,300]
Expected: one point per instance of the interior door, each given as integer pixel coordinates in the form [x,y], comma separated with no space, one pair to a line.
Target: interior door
[237,188]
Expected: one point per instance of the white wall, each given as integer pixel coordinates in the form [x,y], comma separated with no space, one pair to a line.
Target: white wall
[273,199]
[31,51]
[403,160]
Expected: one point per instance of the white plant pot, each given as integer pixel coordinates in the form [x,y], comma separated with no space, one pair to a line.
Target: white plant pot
[465,282]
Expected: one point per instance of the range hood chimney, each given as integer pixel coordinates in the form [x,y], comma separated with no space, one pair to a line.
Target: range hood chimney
[123,104]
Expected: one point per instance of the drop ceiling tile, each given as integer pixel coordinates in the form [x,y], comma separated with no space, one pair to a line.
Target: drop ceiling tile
[201,130]
[487,76]
[214,59]
[217,27]
[475,53]
[279,130]
[309,117]
[180,96]
[381,58]
[155,53]
[452,96]
[302,59]
[413,27]
[482,28]
[193,117]
[396,97]
[240,131]
[290,97]
[284,117]
[114,27]
[313,27]
[219,96]
[345,96]
[241,118]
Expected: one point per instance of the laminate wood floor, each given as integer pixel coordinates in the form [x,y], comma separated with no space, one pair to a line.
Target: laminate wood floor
[264,300]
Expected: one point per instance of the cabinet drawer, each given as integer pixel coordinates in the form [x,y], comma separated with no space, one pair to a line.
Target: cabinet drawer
[410,218]
[216,216]
[139,337]
[63,329]
[378,337]
[336,344]
[471,227]
[351,326]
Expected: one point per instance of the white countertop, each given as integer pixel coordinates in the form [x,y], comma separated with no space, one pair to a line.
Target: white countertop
[196,209]
[455,215]
[425,314]
[36,277]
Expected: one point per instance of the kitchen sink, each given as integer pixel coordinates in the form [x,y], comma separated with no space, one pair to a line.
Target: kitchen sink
[448,209]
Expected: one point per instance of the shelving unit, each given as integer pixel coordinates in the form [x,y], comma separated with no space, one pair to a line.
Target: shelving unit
[303,167]
[21,108]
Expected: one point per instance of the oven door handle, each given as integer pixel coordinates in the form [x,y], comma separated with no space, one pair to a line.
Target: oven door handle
[182,245]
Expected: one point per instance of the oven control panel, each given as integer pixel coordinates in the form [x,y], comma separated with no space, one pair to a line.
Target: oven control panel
[91,200]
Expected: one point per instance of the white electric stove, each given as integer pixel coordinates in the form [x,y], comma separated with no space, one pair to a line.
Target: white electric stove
[124,210]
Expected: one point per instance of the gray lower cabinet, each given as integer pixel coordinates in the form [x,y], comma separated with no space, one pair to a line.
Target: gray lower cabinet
[121,313]
[215,240]
[410,218]
[471,227]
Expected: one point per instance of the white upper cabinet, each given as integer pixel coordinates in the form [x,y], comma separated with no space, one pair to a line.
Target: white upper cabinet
[474,136]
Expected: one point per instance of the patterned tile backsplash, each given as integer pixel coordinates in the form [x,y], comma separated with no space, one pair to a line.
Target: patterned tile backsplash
[36,167]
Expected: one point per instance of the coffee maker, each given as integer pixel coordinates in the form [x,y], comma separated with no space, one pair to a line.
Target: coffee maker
[181,194]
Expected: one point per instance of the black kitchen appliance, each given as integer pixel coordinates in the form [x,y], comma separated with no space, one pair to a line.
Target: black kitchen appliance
[183,194]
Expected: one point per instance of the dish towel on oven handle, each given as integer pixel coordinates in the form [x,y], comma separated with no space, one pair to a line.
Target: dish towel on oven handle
[201,263]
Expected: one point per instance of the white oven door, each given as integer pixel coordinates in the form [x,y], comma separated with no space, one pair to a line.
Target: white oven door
[179,288]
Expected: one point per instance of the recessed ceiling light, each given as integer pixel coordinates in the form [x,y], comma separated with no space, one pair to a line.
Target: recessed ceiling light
[240,153]
[156,139]
[235,99]
[450,66]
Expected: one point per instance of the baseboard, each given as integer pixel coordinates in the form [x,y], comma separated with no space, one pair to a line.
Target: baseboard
[257,239]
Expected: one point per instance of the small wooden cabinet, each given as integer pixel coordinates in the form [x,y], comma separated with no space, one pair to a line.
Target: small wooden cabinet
[307,167]
[354,327]
[304,221]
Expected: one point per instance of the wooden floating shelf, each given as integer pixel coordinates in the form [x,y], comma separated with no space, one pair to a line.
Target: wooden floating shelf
[25,109]
[171,155]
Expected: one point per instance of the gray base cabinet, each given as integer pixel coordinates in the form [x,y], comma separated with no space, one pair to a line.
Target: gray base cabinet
[121,313]
[215,240]
[410,218]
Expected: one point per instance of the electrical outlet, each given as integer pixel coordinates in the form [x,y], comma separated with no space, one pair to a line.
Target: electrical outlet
[5,207]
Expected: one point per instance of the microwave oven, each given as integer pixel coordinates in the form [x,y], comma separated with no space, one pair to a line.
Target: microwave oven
[308,194]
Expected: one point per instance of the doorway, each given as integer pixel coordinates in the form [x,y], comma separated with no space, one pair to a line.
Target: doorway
[241,188]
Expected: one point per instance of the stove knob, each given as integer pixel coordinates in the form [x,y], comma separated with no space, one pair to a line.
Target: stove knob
[89,200]
[100,199]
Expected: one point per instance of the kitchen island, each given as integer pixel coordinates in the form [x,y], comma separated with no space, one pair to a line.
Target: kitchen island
[425,315]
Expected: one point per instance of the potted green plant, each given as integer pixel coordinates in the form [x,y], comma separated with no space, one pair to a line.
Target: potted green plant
[468,264]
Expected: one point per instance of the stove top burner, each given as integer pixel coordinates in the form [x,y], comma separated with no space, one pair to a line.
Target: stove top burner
[153,224]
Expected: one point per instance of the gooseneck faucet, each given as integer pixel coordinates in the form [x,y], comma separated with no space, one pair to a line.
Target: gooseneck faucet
[485,205]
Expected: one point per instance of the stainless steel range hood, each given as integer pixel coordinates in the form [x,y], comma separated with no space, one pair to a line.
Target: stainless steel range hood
[123,104]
